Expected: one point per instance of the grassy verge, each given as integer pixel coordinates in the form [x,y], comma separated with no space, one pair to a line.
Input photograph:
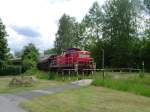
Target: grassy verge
[89,99]
[132,83]
[41,82]
[4,85]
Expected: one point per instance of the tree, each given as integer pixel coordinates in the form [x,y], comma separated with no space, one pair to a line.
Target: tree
[10,56]
[3,45]
[30,56]
[67,33]
[147,4]
[18,54]
[145,50]
[92,24]
[145,55]
[119,29]
[49,51]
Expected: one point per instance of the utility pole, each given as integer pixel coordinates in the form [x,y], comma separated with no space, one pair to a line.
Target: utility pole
[103,62]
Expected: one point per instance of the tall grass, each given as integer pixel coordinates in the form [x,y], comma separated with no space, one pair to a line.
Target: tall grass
[132,84]
[37,73]
[59,76]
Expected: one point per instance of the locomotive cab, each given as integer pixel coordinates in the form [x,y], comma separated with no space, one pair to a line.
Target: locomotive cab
[84,56]
[75,56]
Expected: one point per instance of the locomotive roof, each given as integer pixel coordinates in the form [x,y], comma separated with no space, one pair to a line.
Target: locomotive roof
[73,49]
[45,57]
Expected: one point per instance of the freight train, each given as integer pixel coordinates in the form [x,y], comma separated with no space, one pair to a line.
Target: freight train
[71,59]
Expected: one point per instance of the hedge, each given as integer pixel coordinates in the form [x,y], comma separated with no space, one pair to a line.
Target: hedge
[10,70]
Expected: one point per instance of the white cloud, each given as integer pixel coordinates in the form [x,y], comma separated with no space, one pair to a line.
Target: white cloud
[41,15]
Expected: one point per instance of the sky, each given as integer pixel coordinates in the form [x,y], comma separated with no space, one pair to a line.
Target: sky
[36,21]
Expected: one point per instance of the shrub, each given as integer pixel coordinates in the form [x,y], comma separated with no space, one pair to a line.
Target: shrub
[11,70]
[21,81]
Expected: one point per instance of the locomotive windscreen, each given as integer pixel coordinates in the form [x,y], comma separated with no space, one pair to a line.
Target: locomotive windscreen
[84,56]
[73,49]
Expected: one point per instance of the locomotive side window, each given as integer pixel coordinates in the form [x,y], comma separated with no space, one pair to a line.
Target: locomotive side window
[84,56]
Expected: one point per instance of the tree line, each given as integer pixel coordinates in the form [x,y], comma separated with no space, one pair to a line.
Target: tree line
[119,27]
[29,55]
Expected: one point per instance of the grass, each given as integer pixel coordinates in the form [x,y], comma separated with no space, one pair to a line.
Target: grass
[89,99]
[51,75]
[42,82]
[130,82]
[126,82]
[4,85]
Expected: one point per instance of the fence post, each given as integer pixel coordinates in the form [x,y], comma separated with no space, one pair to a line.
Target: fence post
[143,68]
[103,63]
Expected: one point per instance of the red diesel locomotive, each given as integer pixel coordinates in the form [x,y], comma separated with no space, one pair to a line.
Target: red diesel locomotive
[72,58]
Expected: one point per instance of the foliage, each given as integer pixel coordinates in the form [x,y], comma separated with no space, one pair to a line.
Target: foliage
[18,54]
[10,70]
[30,56]
[116,28]
[96,52]
[38,84]
[119,28]
[134,84]
[37,73]
[66,36]
[146,40]
[92,26]
[3,45]
[147,4]
[49,51]
[21,81]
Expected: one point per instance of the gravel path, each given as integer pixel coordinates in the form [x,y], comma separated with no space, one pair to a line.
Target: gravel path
[10,102]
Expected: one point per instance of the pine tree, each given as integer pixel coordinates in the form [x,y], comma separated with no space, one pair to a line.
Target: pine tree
[147,4]
[3,45]
[92,26]
[146,38]
[119,28]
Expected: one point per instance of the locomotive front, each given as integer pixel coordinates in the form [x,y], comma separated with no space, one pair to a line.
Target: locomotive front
[84,60]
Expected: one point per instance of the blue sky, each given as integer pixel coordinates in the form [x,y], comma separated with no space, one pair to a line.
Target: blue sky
[36,21]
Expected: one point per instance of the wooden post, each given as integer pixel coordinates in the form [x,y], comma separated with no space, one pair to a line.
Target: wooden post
[76,70]
[103,63]
[62,72]
[83,74]
[143,68]
[69,72]
[20,70]
[69,75]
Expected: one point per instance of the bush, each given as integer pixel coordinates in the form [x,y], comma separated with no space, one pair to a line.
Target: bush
[21,81]
[141,74]
[11,70]
[37,73]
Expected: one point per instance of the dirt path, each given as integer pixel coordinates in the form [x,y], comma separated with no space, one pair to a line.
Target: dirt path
[10,102]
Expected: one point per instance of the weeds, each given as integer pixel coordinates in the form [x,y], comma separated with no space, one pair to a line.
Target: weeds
[134,85]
